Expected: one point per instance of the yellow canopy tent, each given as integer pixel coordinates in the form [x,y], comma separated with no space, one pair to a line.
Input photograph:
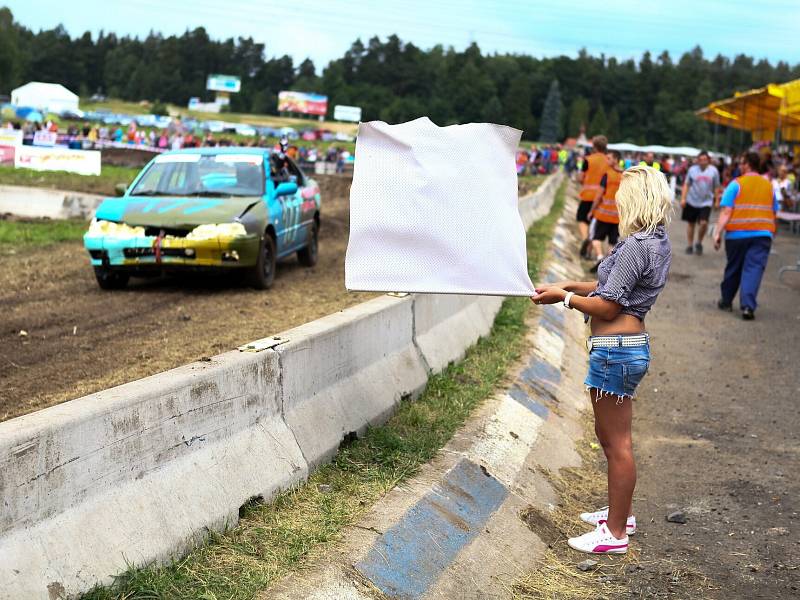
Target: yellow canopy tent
[762,111]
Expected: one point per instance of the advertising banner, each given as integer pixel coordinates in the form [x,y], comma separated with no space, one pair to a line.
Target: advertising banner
[224,83]
[211,107]
[342,112]
[10,137]
[84,162]
[302,102]
[7,155]
[45,138]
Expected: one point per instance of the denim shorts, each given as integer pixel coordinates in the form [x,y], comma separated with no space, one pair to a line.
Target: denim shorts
[617,371]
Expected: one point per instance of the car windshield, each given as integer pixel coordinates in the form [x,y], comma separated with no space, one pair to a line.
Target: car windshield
[216,175]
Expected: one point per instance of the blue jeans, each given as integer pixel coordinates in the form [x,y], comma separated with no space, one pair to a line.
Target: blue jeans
[747,259]
[617,371]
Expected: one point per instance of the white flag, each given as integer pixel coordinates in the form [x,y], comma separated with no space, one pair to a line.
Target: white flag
[434,210]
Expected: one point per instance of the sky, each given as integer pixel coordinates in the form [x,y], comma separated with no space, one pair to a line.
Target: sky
[324,29]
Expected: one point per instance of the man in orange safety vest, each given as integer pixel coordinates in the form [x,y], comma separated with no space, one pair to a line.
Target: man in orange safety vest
[594,167]
[749,207]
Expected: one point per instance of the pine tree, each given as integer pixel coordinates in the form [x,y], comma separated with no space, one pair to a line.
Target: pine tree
[599,123]
[551,113]
[613,125]
[578,116]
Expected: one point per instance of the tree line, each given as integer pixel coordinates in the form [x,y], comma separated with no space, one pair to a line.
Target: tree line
[649,100]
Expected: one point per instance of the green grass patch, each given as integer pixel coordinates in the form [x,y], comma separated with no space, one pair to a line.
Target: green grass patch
[40,233]
[137,108]
[528,183]
[103,184]
[275,538]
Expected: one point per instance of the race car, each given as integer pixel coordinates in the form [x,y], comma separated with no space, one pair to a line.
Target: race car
[212,208]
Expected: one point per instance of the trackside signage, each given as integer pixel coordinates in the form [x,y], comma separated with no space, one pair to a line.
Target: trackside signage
[342,112]
[11,137]
[84,162]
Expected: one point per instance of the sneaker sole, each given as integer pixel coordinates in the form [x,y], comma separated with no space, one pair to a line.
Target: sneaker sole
[611,551]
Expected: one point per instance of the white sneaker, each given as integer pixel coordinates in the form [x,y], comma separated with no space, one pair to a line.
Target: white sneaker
[599,541]
[594,518]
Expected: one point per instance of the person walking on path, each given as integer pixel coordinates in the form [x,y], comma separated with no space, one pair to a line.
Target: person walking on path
[628,282]
[749,207]
[594,167]
[697,199]
[604,210]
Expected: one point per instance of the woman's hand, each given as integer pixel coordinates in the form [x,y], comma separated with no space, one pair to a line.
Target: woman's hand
[548,294]
[563,285]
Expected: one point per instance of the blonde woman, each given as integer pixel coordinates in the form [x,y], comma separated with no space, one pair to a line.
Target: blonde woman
[628,282]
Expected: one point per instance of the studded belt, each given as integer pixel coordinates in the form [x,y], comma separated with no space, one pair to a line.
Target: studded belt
[616,341]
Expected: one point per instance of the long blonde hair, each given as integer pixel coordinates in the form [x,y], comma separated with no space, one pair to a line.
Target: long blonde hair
[644,200]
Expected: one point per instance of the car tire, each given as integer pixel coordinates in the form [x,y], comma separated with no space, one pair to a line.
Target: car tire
[308,256]
[262,275]
[110,280]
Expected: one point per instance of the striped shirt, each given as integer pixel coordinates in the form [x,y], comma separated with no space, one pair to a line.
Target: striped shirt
[635,272]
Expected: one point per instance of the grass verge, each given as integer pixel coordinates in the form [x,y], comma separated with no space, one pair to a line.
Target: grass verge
[103,184]
[16,233]
[272,539]
[527,184]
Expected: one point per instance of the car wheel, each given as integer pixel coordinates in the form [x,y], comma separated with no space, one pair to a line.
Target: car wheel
[110,280]
[263,273]
[308,256]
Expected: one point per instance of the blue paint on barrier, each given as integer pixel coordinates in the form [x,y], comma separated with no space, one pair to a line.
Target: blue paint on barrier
[542,377]
[408,558]
[520,396]
[554,313]
[550,277]
[551,326]
[538,370]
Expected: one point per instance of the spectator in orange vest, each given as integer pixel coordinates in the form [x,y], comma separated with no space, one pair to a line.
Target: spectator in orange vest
[594,167]
[749,206]
[604,210]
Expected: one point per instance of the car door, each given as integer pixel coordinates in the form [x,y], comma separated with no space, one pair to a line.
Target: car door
[285,208]
[296,220]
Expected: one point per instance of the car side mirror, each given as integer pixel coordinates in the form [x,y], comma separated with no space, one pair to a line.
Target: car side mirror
[286,188]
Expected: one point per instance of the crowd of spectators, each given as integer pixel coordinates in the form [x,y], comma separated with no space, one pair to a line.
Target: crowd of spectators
[779,167]
[89,136]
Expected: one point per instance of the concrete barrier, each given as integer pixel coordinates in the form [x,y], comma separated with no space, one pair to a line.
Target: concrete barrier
[445,326]
[346,371]
[138,472]
[141,472]
[34,203]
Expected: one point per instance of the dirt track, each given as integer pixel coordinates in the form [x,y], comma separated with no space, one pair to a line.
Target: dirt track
[81,339]
[716,436]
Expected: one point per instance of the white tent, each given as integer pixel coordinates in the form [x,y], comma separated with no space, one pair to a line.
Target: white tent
[656,149]
[48,97]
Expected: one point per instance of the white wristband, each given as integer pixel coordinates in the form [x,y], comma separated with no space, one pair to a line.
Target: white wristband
[567,299]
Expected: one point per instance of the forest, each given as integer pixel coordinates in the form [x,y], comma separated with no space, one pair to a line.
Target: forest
[650,99]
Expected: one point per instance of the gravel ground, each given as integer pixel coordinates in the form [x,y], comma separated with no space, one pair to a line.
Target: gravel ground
[716,434]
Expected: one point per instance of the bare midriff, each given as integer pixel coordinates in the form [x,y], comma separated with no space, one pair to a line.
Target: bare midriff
[620,325]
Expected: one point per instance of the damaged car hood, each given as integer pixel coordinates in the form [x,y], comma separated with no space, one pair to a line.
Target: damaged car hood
[177,212]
